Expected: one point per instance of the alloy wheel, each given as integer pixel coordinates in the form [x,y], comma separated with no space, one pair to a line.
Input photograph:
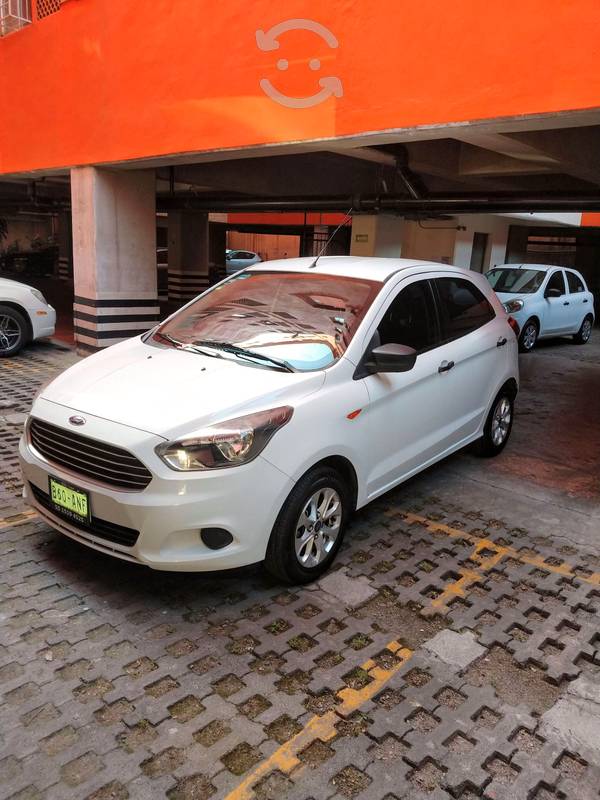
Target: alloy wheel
[318,527]
[501,421]
[586,329]
[529,336]
[10,333]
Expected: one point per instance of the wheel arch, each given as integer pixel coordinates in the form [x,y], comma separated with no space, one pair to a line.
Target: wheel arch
[511,386]
[346,469]
[536,319]
[23,312]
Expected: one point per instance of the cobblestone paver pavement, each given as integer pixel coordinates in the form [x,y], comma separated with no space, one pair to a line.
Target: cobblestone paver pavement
[448,656]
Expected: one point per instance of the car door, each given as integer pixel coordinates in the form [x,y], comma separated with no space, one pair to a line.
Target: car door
[475,342]
[407,417]
[555,318]
[579,304]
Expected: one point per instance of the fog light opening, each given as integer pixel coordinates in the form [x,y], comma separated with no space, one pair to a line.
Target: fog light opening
[216,538]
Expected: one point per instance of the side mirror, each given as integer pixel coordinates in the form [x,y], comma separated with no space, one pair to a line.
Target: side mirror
[392,358]
[553,293]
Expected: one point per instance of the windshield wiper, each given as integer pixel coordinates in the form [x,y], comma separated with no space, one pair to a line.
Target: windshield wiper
[189,347]
[227,347]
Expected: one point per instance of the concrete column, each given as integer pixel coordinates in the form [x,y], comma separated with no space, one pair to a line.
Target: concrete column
[114,254]
[64,237]
[376,235]
[188,254]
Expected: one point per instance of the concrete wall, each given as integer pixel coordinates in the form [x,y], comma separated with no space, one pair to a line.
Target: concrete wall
[495,226]
[429,241]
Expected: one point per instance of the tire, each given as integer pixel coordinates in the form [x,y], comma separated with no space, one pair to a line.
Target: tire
[13,331]
[583,334]
[528,336]
[498,424]
[303,563]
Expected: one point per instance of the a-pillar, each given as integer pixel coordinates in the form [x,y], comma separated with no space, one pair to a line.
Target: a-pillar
[188,255]
[64,238]
[114,255]
[376,235]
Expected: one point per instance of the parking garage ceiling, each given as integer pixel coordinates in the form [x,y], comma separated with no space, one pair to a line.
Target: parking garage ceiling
[474,169]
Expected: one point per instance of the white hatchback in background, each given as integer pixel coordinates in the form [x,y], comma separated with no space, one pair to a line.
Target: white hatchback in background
[545,301]
[252,423]
[240,259]
[24,315]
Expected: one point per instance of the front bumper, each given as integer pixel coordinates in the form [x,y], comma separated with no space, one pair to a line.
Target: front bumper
[171,511]
[43,321]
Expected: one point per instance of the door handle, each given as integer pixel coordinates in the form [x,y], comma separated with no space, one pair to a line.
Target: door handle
[566,303]
[585,301]
[445,366]
[501,342]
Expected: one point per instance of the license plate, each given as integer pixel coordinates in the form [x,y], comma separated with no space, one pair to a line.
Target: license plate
[69,500]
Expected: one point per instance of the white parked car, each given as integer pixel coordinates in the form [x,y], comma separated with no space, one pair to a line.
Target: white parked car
[240,259]
[254,421]
[545,301]
[24,315]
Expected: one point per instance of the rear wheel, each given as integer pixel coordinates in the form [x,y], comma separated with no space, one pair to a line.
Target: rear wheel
[498,424]
[583,334]
[13,331]
[310,527]
[528,337]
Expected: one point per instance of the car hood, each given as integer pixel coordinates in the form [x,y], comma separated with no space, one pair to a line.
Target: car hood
[504,297]
[172,393]
[10,285]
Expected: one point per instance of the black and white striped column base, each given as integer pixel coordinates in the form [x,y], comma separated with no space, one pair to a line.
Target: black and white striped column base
[65,272]
[99,323]
[186,284]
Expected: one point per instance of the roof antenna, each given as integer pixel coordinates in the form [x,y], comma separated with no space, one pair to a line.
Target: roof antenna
[329,240]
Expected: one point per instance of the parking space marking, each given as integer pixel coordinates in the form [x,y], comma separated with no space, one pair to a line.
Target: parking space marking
[17,519]
[285,758]
[485,561]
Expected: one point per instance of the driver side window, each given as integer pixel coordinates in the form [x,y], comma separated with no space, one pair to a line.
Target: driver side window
[556,282]
[411,319]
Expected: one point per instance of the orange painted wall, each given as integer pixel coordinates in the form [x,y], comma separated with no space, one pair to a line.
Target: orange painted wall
[590,218]
[287,218]
[106,80]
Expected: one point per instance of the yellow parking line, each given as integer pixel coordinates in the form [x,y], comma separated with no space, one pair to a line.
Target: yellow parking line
[17,519]
[285,758]
[498,552]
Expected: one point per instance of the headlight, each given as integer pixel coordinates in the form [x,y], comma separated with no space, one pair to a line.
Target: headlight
[511,306]
[36,293]
[225,444]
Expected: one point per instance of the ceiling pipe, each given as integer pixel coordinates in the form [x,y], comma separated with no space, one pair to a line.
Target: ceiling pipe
[453,204]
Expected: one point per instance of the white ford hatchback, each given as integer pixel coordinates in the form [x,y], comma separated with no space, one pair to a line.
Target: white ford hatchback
[250,424]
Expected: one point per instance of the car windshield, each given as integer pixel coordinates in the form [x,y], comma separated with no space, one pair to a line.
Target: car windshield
[515,281]
[304,321]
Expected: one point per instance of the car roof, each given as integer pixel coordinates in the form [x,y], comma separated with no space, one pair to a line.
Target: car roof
[366,267]
[539,267]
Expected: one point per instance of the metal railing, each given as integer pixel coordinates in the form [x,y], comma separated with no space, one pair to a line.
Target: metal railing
[43,8]
[14,14]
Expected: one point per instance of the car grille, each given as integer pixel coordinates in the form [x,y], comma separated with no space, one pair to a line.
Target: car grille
[101,462]
[117,534]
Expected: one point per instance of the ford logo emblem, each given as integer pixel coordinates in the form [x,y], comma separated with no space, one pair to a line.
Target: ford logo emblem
[77,420]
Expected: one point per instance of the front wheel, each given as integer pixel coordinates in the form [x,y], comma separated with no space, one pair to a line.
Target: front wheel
[528,337]
[498,425]
[583,334]
[310,527]
[13,331]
